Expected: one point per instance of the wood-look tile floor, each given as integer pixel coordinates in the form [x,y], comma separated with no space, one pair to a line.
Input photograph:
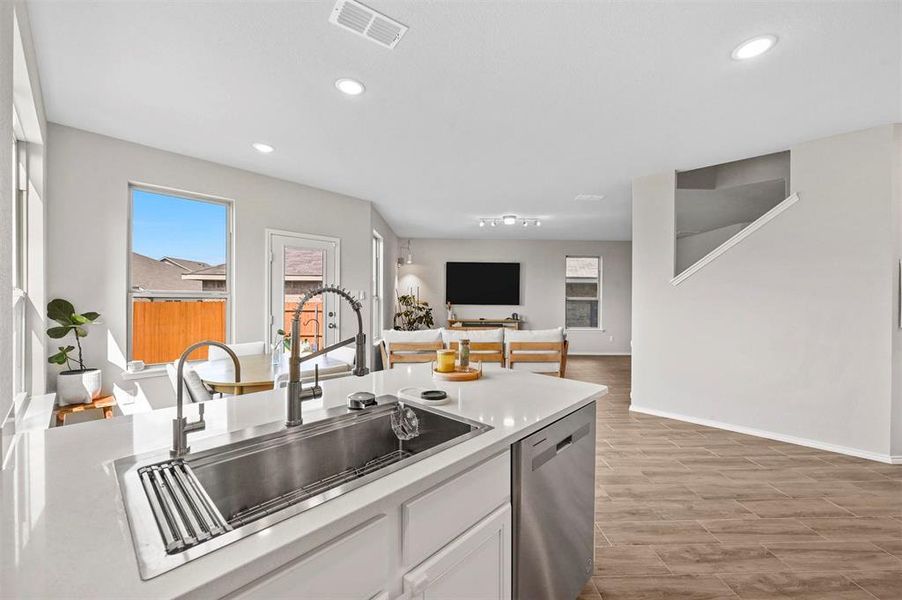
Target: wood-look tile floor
[685,511]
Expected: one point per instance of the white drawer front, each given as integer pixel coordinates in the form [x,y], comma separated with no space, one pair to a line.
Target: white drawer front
[351,567]
[436,517]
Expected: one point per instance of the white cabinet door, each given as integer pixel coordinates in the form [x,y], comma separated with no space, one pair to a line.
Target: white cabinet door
[475,566]
[351,567]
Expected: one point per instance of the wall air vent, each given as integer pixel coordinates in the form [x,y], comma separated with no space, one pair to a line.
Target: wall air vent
[366,22]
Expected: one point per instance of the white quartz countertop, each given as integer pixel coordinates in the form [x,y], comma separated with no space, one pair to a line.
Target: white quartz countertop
[63,526]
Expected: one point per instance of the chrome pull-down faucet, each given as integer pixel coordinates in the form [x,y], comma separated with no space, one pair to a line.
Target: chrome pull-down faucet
[297,395]
[180,425]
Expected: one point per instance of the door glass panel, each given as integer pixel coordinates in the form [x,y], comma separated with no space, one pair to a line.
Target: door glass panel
[303,271]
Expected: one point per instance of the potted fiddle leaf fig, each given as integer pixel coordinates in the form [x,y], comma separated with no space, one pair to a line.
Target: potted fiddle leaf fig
[78,384]
[412,314]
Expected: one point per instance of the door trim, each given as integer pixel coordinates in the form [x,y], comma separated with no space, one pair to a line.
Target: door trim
[267,268]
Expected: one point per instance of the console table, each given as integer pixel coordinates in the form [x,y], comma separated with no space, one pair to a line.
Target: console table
[468,324]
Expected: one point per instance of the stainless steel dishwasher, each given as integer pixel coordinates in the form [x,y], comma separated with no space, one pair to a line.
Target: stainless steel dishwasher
[554,508]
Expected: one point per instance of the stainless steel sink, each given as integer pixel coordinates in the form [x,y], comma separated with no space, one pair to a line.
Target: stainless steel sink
[180,509]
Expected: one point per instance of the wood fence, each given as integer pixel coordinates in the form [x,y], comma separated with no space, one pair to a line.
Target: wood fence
[162,329]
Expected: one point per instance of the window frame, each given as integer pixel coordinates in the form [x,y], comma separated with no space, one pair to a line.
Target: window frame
[19,262]
[598,292]
[378,290]
[227,295]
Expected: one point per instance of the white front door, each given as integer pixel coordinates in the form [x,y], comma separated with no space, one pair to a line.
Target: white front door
[298,264]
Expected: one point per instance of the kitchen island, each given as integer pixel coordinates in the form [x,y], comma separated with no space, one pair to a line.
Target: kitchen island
[65,532]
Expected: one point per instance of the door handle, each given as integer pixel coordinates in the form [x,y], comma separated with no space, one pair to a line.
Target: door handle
[331,325]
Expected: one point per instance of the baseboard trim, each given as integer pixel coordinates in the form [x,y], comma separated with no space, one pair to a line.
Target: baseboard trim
[770,435]
[599,353]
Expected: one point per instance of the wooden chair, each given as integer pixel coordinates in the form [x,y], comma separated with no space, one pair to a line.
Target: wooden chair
[539,352]
[484,352]
[408,352]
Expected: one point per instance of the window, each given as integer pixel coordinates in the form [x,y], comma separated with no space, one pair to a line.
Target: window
[179,274]
[19,223]
[377,286]
[583,292]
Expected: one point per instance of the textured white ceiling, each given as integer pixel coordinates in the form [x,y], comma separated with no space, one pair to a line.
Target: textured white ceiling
[484,108]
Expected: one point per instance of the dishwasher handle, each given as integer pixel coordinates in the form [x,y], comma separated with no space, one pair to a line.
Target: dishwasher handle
[549,453]
[564,444]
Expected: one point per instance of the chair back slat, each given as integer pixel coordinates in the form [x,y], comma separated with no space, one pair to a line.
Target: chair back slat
[538,352]
[487,352]
[410,352]
[413,346]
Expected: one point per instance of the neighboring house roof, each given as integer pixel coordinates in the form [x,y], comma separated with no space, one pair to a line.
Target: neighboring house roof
[184,263]
[303,265]
[214,273]
[150,274]
[300,265]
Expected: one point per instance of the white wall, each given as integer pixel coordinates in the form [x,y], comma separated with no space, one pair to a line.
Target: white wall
[88,233]
[541,281]
[789,332]
[6,134]
[692,248]
[896,417]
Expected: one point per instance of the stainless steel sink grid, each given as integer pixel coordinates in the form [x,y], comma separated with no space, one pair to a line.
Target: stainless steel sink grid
[180,509]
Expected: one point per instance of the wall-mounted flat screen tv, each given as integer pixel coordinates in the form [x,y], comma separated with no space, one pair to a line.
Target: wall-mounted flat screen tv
[482,283]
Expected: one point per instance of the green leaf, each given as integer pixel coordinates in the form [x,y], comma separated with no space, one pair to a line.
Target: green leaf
[79,319]
[58,359]
[91,316]
[60,311]
[59,332]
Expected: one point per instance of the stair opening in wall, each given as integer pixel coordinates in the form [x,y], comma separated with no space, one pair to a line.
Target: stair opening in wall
[713,204]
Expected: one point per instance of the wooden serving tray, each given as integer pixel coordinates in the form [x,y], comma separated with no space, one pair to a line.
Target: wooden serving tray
[471,373]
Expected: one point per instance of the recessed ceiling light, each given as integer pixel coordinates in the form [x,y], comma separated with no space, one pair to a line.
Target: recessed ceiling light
[754,47]
[509,219]
[262,148]
[351,87]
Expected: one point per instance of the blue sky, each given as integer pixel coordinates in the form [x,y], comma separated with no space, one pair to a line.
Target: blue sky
[170,226]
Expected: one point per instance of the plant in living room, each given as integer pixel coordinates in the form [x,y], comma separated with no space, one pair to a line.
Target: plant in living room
[412,314]
[78,384]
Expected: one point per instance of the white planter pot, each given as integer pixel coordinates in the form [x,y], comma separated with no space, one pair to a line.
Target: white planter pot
[78,387]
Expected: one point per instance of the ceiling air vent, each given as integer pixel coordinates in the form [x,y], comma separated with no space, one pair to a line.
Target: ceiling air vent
[366,22]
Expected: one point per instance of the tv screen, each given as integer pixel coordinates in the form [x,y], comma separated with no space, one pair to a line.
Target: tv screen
[482,283]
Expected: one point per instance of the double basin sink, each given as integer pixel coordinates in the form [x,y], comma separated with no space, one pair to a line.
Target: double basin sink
[182,508]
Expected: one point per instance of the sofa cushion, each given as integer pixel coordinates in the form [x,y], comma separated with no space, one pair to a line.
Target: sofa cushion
[534,335]
[474,335]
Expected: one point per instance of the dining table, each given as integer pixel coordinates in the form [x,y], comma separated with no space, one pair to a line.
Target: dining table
[258,373]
